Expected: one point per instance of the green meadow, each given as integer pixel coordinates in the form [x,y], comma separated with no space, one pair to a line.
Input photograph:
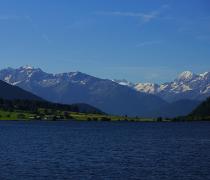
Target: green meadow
[48,114]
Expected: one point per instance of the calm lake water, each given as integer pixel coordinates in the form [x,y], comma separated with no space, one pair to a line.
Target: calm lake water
[103,150]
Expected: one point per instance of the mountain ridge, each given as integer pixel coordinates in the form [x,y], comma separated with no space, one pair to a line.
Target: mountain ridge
[111,96]
[77,87]
[187,85]
[14,94]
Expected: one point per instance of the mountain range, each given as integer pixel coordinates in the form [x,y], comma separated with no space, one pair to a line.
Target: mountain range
[179,97]
[77,87]
[14,96]
[186,86]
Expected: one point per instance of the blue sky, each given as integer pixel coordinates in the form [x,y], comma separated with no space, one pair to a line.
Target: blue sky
[140,40]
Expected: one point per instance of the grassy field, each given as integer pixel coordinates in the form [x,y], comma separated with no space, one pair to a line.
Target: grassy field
[47,114]
[6,115]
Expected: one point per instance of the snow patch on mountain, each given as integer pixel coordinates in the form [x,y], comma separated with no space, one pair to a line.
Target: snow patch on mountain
[123,82]
[27,67]
[8,78]
[203,75]
[146,87]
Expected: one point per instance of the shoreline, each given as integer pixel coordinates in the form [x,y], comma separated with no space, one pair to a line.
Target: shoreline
[110,121]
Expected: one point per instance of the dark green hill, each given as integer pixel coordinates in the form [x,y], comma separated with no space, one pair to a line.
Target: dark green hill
[8,91]
[202,112]
[34,106]
[15,98]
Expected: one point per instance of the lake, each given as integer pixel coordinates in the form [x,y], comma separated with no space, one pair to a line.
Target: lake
[104,150]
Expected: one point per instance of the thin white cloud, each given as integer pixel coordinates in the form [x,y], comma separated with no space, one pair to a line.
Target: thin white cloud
[145,17]
[8,17]
[148,43]
[4,17]
[193,25]
[46,37]
[28,19]
[35,26]
[82,23]
[203,37]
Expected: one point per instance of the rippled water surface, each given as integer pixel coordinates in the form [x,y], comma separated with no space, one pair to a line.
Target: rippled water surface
[103,150]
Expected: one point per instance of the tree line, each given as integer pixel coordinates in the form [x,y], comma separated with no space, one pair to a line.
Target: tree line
[33,106]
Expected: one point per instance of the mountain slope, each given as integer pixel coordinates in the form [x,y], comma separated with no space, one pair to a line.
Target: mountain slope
[178,108]
[35,106]
[77,87]
[8,91]
[203,110]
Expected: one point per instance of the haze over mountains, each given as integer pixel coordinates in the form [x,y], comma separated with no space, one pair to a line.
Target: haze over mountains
[178,98]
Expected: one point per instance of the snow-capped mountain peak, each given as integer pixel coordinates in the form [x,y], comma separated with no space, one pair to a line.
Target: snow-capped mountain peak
[186,76]
[205,75]
[27,67]
[187,85]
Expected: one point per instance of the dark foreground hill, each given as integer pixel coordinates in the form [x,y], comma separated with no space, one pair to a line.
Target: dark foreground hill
[35,106]
[13,97]
[8,91]
[202,112]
